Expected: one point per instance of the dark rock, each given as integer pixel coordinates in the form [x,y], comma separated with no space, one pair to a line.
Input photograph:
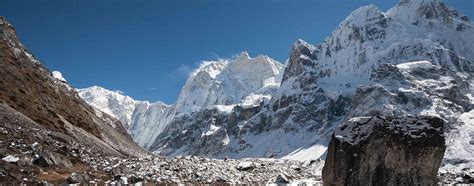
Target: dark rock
[467,178]
[40,161]
[2,172]
[385,151]
[220,180]
[283,178]
[134,179]
[117,177]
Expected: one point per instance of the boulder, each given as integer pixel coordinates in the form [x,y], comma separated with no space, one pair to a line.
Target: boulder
[134,180]
[78,177]
[40,161]
[283,179]
[385,151]
[11,159]
[246,166]
[120,169]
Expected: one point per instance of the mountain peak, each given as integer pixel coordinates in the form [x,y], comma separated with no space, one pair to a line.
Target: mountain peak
[244,55]
[419,12]
[419,2]
[364,14]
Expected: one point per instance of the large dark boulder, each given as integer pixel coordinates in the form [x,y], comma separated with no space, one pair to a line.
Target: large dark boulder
[385,151]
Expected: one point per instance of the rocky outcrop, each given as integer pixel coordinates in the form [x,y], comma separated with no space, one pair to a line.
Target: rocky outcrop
[385,151]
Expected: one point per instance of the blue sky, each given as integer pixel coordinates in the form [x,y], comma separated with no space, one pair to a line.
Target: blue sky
[147,48]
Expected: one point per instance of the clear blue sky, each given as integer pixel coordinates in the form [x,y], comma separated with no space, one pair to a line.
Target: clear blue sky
[146,48]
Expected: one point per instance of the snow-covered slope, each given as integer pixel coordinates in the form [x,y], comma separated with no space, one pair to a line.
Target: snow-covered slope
[110,102]
[140,118]
[227,82]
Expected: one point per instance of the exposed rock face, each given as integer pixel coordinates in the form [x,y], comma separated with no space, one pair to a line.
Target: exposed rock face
[385,151]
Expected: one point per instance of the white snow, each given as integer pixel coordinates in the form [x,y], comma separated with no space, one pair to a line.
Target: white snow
[246,165]
[110,102]
[143,120]
[254,100]
[227,82]
[212,130]
[307,154]
[224,108]
[415,65]
[58,75]
[460,141]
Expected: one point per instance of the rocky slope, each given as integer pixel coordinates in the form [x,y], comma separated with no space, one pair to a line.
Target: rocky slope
[43,118]
[415,59]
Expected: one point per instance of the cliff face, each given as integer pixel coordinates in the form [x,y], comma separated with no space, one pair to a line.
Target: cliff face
[385,151]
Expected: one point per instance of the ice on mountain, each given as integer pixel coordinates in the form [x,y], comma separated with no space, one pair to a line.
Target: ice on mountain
[415,65]
[58,75]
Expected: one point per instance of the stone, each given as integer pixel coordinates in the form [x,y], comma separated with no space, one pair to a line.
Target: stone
[283,178]
[246,166]
[77,177]
[40,161]
[134,179]
[11,159]
[402,150]
[120,169]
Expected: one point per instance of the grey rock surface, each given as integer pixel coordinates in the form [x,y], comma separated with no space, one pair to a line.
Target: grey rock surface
[385,151]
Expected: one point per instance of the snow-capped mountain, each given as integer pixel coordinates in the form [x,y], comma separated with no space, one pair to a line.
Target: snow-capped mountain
[227,82]
[320,85]
[220,84]
[138,117]
[110,102]
[414,59]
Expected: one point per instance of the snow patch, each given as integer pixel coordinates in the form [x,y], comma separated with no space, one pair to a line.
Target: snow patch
[58,75]
[410,66]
